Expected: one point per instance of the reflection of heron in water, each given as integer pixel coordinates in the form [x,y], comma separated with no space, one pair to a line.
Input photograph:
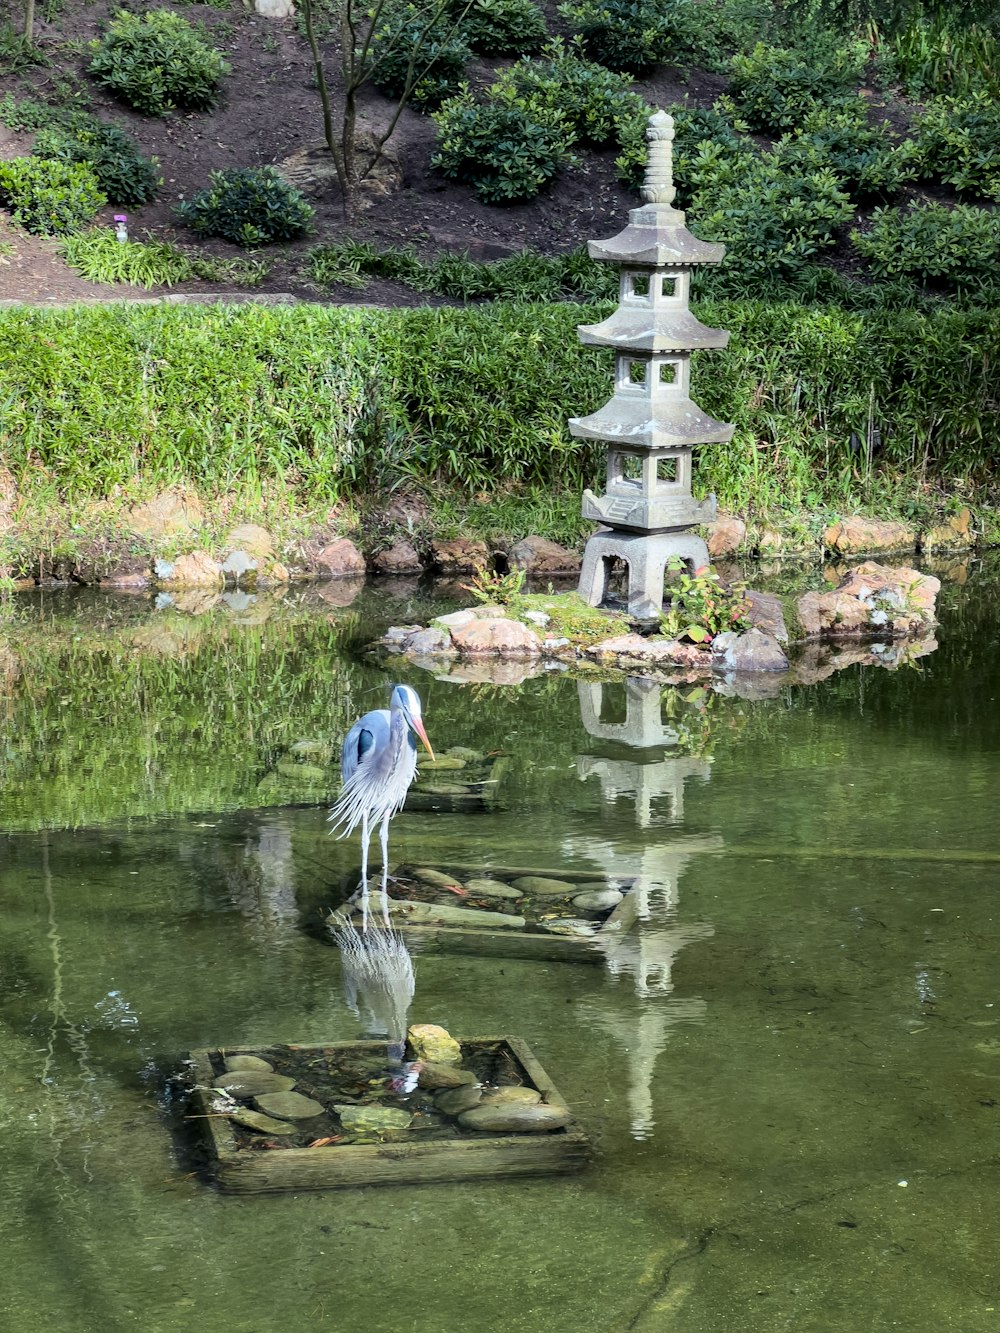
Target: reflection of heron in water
[378,762]
[378,980]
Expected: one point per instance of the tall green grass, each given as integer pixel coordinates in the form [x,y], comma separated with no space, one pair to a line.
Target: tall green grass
[334,402]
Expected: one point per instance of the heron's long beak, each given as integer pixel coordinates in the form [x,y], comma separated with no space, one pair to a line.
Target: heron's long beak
[418,727]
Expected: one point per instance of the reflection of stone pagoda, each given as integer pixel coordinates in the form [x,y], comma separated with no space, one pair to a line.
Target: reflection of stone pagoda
[650,423]
[646,952]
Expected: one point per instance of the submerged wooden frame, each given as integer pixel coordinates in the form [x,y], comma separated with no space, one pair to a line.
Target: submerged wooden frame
[532,944]
[470,1157]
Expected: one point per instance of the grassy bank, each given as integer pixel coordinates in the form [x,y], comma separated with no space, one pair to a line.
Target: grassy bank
[315,415]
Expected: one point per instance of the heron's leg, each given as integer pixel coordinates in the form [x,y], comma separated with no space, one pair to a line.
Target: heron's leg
[383,837]
[365,835]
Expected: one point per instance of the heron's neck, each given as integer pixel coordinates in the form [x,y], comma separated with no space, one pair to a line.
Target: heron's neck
[399,732]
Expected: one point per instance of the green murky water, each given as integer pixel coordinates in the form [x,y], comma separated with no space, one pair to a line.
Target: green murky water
[792,1080]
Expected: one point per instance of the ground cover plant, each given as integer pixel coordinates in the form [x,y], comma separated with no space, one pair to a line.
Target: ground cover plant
[419,53]
[99,256]
[524,277]
[949,248]
[501,27]
[624,35]
[775,88]
[593,101]
[505,149]
[957,142]
[867,159]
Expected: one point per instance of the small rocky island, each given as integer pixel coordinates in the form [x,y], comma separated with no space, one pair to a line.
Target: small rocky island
[876,612]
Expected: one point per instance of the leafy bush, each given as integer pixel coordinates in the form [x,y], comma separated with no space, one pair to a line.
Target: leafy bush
[592,100]
[157,61]
[505,149]
[317,396]
[931,243]
[775,88]
[249,206]
[501,27]
[99,256]
[772,219]
[958,143]
[423,53]
[699,606]
[48,197]
[693,127]
[708,33]
[123,174]
[629,35]
[864,158]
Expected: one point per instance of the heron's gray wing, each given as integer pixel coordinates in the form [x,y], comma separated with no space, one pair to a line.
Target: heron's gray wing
[370,732]
[367,751]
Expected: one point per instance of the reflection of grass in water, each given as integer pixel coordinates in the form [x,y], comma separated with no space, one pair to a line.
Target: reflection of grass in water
[167,715]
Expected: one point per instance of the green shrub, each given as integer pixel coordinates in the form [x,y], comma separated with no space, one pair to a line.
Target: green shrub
[318,397]
[775,89]
[412,51]
[49,197]
[123,174]
[708,33]
[864,157]
[933,244]
[592,100]
[693,127]
[507,151]
[773,220]
[629,35]
[99,256]
[958,143]
[157,61]
[501,27]
[249,206]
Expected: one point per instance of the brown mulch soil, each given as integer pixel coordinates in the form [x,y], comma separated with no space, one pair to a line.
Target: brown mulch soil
[271,112]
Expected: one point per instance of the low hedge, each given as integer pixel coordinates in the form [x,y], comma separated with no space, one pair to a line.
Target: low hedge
[333,400]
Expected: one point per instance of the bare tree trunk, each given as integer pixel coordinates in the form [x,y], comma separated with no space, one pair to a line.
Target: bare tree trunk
[29,21]
[357,64]
[333,143]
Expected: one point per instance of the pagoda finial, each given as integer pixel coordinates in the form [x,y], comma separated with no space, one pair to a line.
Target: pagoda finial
[658,182]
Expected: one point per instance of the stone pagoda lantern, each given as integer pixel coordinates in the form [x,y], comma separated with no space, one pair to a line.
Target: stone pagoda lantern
[650,424]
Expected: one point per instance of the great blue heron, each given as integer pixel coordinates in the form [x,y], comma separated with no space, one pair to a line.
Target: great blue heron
[378,762]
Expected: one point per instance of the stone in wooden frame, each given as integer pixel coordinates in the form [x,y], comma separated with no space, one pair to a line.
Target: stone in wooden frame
[472,1156]
[441,937]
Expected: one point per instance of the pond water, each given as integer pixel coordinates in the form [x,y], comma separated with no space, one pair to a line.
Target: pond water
[792,1084]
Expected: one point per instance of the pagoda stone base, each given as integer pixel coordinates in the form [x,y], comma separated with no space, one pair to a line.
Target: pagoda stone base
[646,556]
